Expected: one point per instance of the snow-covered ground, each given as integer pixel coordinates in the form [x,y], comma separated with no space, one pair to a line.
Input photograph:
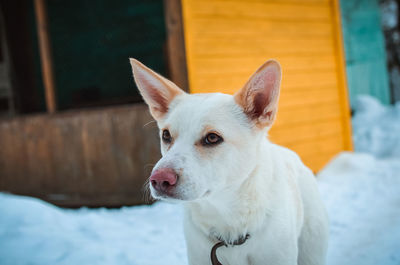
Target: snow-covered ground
[361,191]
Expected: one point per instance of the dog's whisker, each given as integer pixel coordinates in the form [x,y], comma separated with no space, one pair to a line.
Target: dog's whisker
[147,198]
[146,192]
[148,123]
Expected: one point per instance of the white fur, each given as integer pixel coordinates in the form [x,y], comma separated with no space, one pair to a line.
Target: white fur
[245,185]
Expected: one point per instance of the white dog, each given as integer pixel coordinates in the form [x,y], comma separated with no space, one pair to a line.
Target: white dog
[247,201]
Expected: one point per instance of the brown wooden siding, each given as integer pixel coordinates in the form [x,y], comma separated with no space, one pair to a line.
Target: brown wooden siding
[91,157]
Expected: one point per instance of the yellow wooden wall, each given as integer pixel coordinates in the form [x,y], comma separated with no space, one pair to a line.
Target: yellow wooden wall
[227,40]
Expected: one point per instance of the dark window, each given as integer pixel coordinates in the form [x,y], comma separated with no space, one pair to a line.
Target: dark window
[91,43]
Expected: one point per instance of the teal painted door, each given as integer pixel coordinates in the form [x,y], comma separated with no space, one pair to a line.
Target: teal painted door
[365,50]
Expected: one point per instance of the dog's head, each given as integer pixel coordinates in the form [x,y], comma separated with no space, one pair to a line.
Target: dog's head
[209,142]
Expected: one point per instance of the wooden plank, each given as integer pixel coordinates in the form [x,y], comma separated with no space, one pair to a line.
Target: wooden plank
[317,146]
[298,98]
[300,68]
[129,130]
[98,152]
[45,55]
[13,156]
[176,44]
[91,157]
[38,149]
[219,27]
[228,66]
[259,10]
[292,117]
[233,65]
[68,156]
[301,132]
[233,83]
[297,2]
[261,45]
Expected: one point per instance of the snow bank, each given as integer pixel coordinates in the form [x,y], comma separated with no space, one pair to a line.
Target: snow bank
[361,191]
[35,232]
[376,128]
[362,196]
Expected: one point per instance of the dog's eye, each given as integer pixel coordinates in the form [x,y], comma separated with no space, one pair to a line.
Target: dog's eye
[166,136]
[212,139]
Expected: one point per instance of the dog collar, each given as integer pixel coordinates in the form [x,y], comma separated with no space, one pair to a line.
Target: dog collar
[213,255]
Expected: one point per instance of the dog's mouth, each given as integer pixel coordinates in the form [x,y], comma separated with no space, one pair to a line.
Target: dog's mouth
[174,196]
[167,194]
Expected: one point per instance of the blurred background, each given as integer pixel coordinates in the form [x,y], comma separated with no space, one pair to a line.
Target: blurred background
[75,133]
[74,130]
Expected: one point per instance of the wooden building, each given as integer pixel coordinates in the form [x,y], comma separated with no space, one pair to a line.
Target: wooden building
[103,155]
[226,40]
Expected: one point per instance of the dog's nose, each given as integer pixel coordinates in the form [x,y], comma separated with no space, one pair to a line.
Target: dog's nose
[163,179]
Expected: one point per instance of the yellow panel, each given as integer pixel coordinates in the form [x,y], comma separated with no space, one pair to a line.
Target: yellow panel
[204,26]
[261,45]
[308,97]
[289,63]
[227,40]
[259,10]
[231,83]
[306,114]
[301,132]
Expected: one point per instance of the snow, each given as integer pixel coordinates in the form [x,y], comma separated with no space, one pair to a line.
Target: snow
[363,199]
[376,129]
[35,232]
[360,190]
[389,14]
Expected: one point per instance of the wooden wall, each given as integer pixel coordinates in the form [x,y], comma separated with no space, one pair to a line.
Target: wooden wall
[227,40]
[93,157]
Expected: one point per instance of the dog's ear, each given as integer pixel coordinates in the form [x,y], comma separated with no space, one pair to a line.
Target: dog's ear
[259,96]
[157,91]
